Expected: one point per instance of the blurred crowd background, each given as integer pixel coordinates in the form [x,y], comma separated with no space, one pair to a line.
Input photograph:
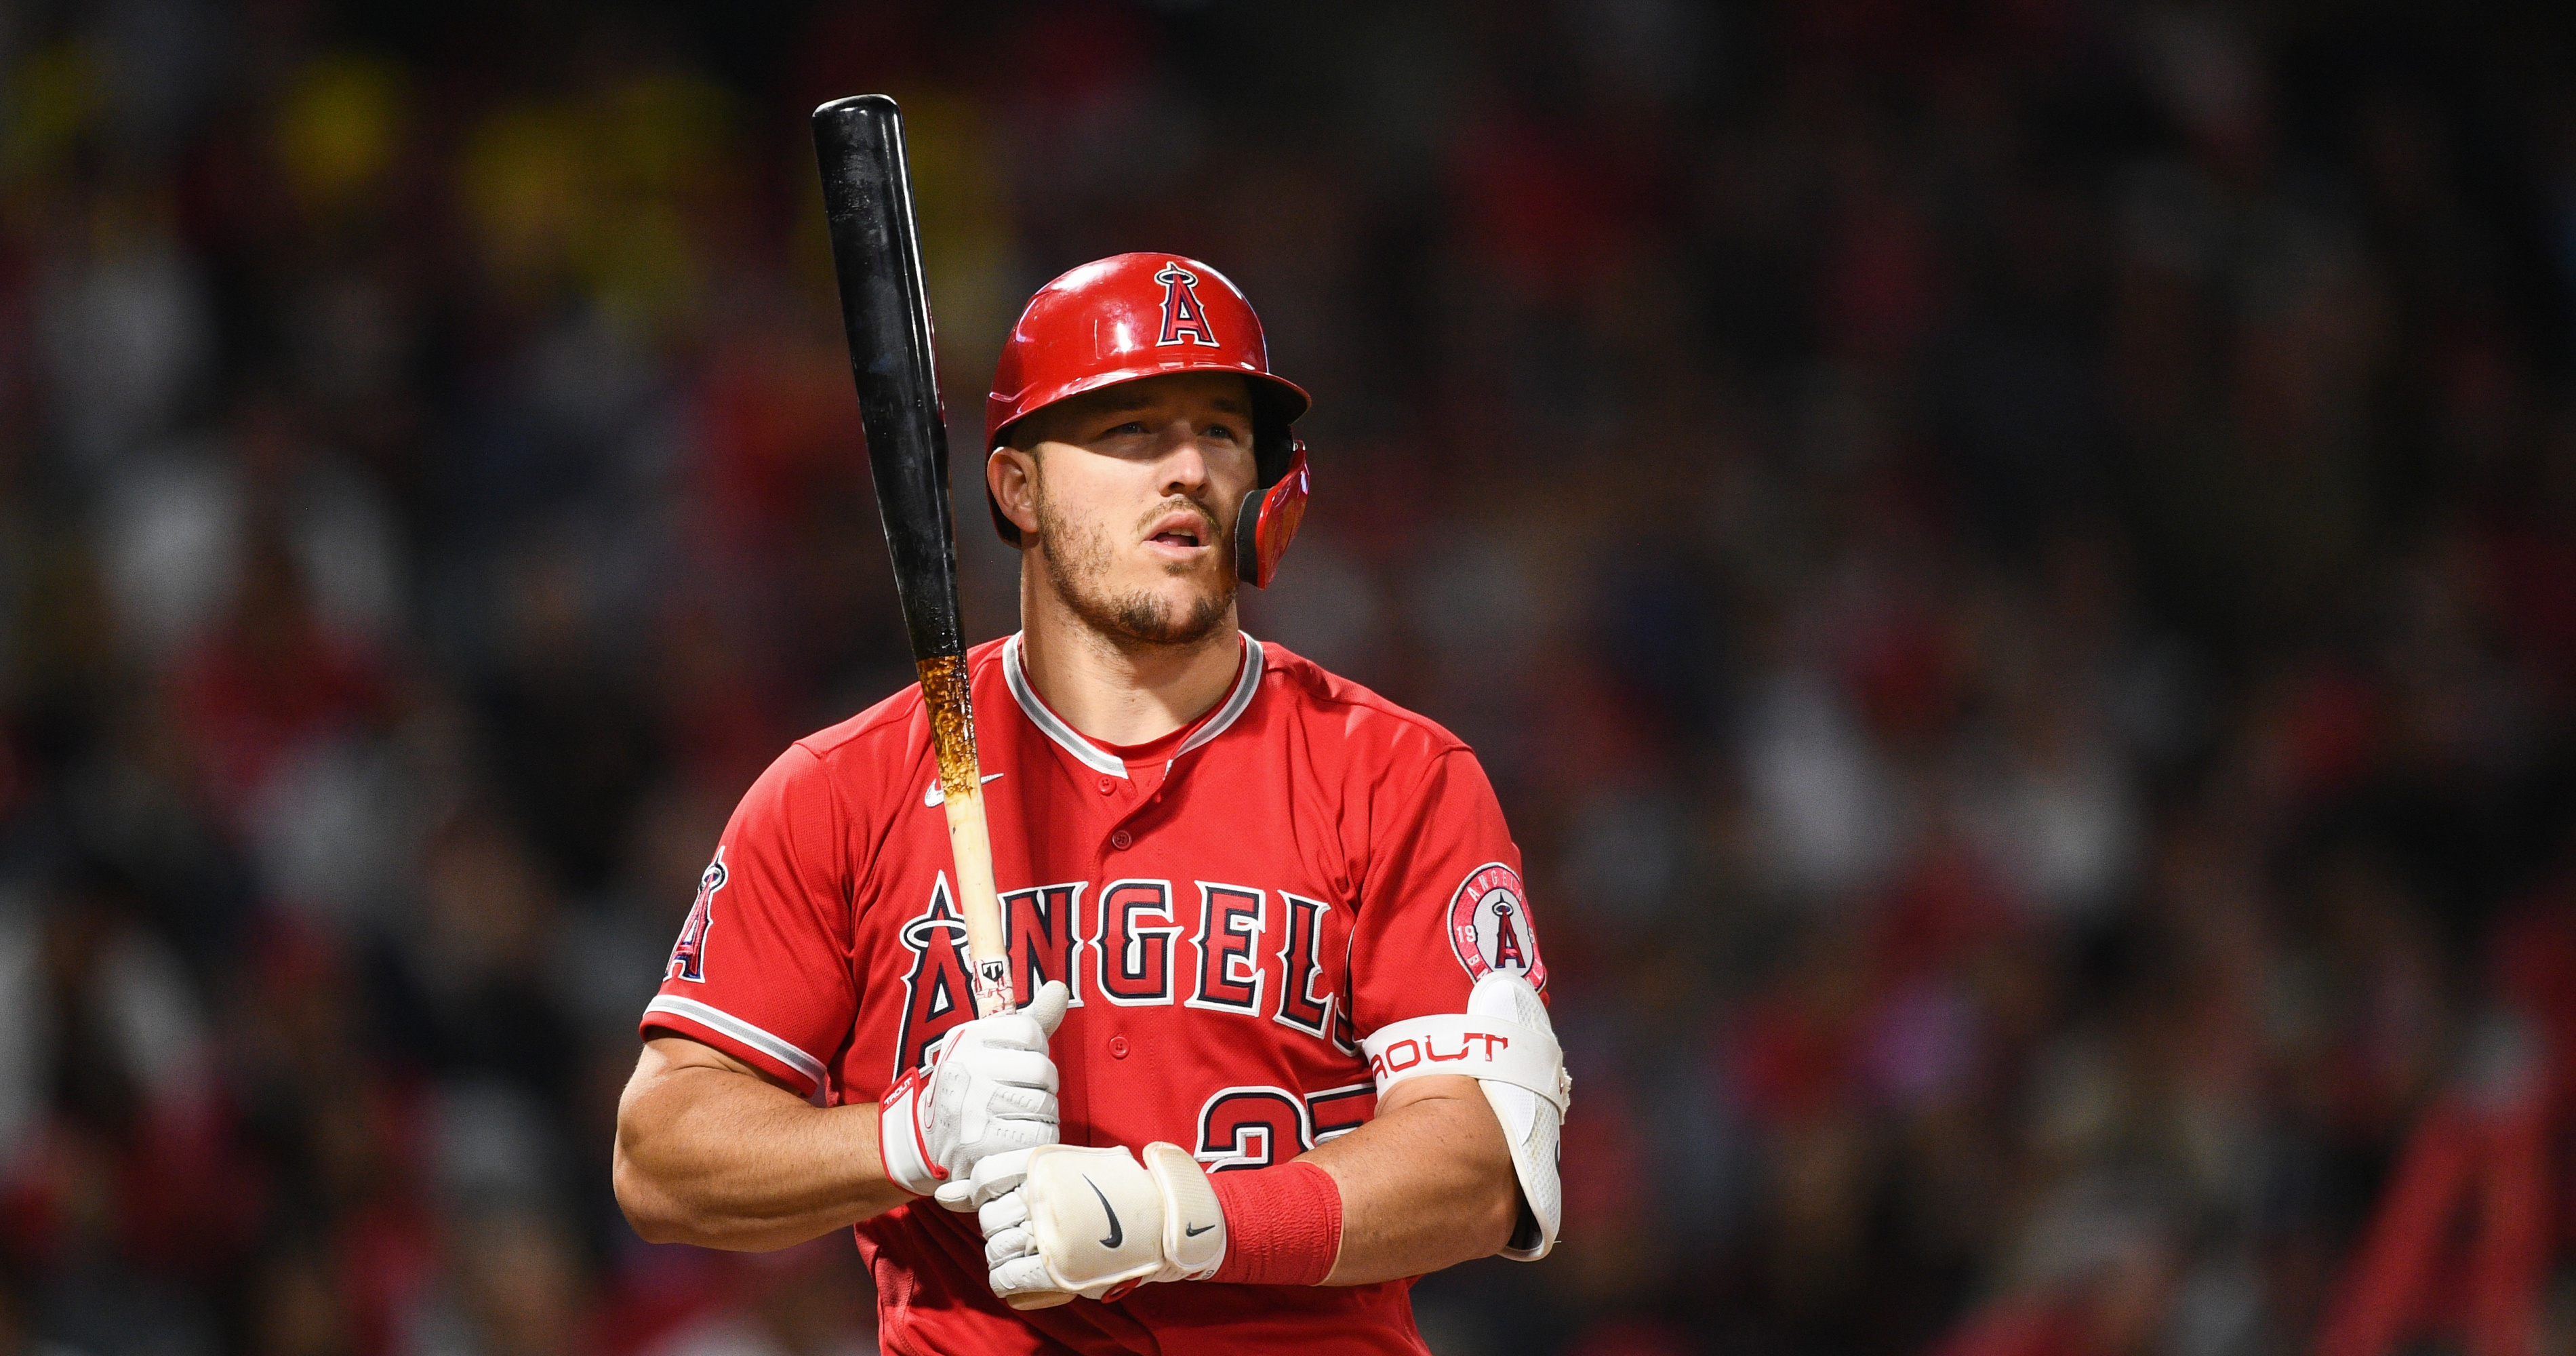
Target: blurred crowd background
[2013,563]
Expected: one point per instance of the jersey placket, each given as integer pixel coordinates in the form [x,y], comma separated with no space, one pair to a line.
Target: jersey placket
[1106,816]
[1127,789]
[1130,798]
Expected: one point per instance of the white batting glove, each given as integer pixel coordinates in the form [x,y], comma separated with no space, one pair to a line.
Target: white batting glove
[990,1088]
[1061,1221]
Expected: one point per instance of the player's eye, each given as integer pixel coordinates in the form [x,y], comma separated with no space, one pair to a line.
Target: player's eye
[1225,431]
[1131,427]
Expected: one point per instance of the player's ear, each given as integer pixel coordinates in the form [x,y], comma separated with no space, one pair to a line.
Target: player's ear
[1010,476]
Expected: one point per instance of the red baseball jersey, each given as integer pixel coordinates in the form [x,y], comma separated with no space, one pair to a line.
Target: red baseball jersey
[1233,906]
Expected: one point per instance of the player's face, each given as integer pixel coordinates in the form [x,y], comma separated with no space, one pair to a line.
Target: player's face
[1133,488]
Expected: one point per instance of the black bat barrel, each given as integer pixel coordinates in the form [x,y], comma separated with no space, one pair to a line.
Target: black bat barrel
[876,252]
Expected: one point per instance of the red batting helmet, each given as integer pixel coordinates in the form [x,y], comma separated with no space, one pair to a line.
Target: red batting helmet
[1132,316]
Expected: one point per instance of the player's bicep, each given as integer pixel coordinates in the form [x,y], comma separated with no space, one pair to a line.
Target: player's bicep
[674,1074]
[1430,1088]
[715,1151]
[665,1055]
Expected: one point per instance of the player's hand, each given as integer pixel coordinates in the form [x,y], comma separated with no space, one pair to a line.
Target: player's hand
[990,1088]
[1062,1221]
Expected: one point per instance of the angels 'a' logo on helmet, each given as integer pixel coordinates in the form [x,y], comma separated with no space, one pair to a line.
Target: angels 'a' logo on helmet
[1182,313]
[1489,926]
[689,954]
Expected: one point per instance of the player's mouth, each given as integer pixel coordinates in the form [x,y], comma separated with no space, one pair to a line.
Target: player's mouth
[1180,535]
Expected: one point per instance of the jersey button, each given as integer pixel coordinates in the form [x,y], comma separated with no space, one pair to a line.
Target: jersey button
[1106,786]
[1118,1047]
[1122,840]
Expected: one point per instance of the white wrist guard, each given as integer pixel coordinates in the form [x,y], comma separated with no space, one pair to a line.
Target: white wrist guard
[1505,1042]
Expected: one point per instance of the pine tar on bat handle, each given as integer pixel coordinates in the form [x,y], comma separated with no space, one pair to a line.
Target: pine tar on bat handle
[885,312]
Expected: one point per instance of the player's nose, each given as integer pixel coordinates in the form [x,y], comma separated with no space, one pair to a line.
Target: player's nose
[1185,461]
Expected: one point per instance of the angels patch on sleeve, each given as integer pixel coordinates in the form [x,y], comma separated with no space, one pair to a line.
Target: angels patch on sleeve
[1489,926]
[689,954]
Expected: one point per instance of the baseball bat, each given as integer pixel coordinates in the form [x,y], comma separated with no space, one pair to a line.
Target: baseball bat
[885,311]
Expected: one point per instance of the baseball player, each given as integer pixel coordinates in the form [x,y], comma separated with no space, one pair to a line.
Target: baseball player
[1284,1047]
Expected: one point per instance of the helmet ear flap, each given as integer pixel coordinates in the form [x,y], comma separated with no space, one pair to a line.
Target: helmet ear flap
[1267,521]
[1247,539]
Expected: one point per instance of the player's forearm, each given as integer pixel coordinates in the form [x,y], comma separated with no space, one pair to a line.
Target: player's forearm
[722,1159]
[1426,1185]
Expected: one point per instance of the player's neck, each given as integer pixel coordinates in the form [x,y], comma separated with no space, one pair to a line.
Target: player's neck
[1122,693]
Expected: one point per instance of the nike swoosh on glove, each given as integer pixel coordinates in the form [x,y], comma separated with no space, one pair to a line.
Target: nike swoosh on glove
[1061,1221]
[989,1089]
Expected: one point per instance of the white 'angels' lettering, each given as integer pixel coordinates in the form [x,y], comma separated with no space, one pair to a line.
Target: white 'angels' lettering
[1135,955]
[1121,944]
[1230,923]
[1301,967]
[937,992]
[1043,923]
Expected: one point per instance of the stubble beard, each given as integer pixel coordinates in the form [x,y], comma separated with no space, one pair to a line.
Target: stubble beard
[1076,560]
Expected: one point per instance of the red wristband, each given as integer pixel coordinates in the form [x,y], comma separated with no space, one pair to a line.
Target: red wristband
[1283,1225]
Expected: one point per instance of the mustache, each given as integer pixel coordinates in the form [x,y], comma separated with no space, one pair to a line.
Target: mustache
[1216,530]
